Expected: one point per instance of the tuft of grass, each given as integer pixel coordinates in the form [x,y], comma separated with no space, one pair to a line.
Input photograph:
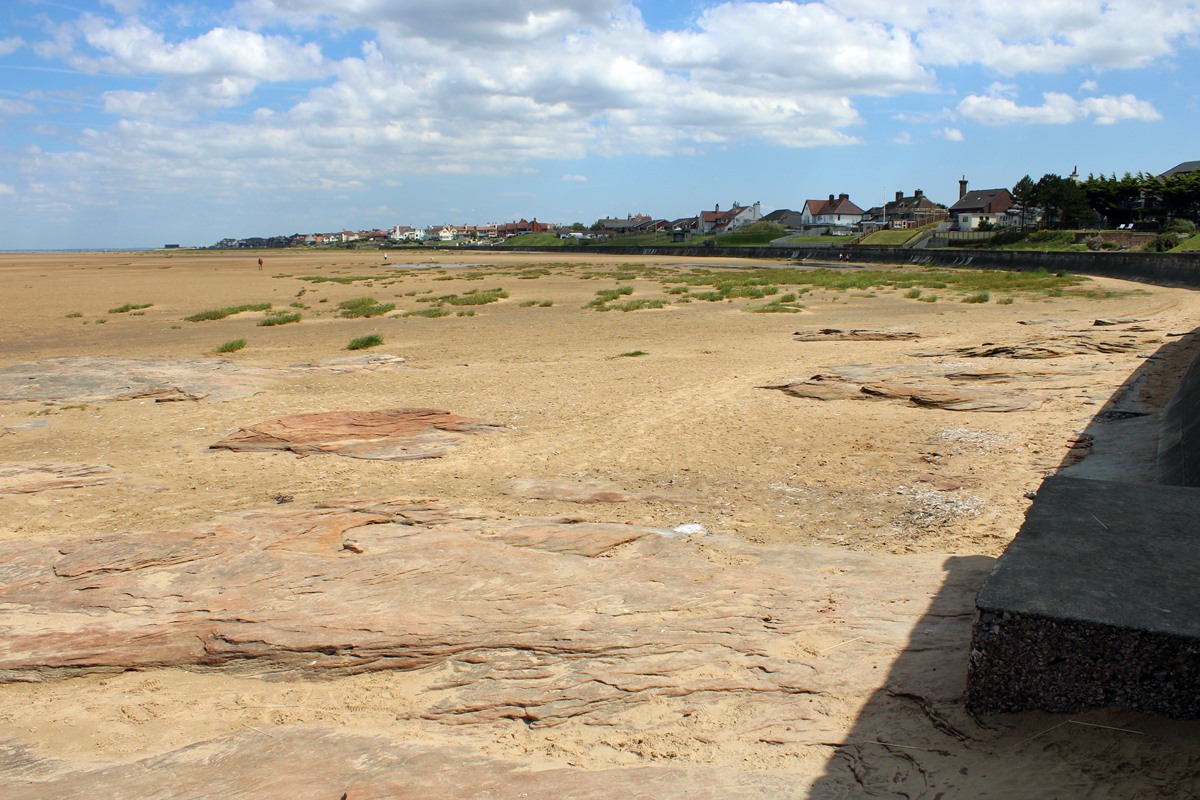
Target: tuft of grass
[1004,301]
[640,304]
[978,297]
[777,307]
[633,354]
[74,314]
[913,294]
[364,307]
[279,318]
[932,298]
[477,297]
[470,312]
[363,342]
[228,311]
[232,346]
[434,312]
[125,309]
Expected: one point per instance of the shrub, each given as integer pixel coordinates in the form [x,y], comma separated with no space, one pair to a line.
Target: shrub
[1177,225]
[913,294]
[434,312]
[978,297]
[363,342]
[232,346]
[1163,242]
[128,307]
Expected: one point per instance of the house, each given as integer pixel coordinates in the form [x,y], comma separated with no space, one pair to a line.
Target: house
[989,206]
[739,216]
[632,224]
[912,211]
[839,211]
[507,229]
[785,217]
[1186,168]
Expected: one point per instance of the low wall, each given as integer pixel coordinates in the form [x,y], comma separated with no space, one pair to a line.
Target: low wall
[1163,269]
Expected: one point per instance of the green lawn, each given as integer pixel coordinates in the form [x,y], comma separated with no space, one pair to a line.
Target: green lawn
[896,237]
[1191,243]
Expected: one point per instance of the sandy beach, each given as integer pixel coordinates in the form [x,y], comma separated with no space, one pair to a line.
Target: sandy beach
[885,512]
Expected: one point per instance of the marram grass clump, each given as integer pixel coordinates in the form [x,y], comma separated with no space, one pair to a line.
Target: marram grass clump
[363,342]
[232,346]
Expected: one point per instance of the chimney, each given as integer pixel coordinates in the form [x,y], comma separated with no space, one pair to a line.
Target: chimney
[717,207]
[830,199]
[843,197]
[917,193]
[962,187]
[899,196]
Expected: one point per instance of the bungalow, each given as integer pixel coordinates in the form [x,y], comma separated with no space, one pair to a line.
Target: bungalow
[632,224]
[785,217]
[981,206]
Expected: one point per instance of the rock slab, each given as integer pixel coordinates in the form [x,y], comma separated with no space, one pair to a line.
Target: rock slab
[389,435]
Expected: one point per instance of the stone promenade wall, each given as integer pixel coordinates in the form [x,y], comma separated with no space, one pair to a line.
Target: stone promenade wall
[1164,269]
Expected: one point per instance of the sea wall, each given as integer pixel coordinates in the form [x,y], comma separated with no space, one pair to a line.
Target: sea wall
[1162,269]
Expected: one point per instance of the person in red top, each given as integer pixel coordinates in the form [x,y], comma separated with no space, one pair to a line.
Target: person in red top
[260,265]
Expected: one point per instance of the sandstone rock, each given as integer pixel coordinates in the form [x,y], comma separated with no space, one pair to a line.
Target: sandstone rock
[390,435]
[42,476]
[585,492]
[538,620]
[1056,347]
[95,379]
[306,763]
[856,335]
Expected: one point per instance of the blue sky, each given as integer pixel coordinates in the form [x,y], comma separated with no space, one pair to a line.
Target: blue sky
[132,123]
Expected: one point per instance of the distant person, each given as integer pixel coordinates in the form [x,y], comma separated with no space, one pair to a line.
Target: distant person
[385,256]
[260,265]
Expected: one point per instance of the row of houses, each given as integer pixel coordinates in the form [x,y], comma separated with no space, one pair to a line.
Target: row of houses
[836,214]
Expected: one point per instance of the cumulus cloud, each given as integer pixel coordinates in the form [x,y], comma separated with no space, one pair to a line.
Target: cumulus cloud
[1057,109]
[470,86]
[1023,36]
[11,45]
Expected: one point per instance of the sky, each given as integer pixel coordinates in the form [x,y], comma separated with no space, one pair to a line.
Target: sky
[133,123]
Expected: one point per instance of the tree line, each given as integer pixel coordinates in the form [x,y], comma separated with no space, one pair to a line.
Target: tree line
[1140,199]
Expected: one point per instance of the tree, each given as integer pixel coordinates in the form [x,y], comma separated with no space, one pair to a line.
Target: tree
[1064,203]
[1024,194]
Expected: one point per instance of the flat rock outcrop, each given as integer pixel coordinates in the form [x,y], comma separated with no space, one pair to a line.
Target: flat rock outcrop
[91,379]
[327,764]
[854,335]
[43,476]
[1055,347]
[531,619]
[400,434]
[833,387]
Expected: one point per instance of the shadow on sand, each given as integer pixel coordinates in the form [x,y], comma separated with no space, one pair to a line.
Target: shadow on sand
[914,738]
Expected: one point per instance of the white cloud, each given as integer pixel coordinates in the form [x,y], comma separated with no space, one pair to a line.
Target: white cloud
[1089,86]
[6,189]
[11,45]
[1057,109]
[477,86]
[575,178]
[1023,36]
[14,107]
